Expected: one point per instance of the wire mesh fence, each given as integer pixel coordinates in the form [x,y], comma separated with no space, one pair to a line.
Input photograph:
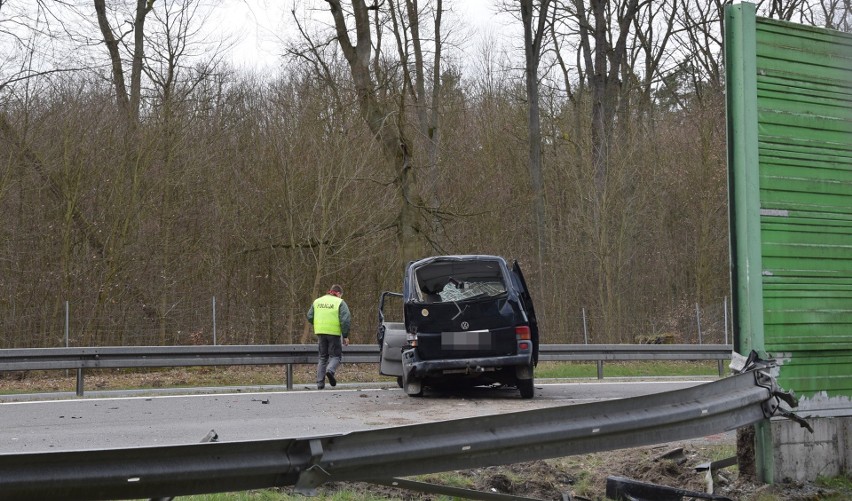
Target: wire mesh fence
[188,321]
[196,320]
[693,323]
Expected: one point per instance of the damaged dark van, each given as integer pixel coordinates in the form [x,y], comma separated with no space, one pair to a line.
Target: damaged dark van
[465,320]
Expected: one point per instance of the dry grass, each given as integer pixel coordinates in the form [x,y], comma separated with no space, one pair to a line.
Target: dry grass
[179,377]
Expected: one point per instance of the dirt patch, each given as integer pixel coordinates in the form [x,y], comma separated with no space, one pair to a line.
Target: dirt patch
[584,477]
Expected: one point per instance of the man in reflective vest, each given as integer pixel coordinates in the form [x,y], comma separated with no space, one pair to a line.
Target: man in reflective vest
[331,318]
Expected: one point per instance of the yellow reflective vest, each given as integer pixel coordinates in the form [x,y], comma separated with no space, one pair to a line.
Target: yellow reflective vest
[327,315]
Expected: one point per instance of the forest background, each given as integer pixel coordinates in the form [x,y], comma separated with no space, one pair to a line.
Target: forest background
[151,191]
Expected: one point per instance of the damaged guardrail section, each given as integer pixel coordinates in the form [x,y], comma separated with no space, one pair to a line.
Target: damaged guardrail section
[149,472]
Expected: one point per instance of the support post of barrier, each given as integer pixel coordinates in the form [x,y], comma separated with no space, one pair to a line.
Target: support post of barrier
[80,382]
[289,376]
[600,369]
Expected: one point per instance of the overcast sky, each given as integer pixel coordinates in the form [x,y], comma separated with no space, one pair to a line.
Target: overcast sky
[259,25]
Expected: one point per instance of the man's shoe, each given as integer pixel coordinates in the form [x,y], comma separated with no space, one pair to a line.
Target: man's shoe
[331,380]
[321,385]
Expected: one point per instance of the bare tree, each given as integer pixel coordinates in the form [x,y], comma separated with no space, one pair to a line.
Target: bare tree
[699,53]
[602,34]
[410,33]
[831,14]
[783,9]
[604,31]
[654,28]
[383,99]
[178,58]
[385,122]
[128,100]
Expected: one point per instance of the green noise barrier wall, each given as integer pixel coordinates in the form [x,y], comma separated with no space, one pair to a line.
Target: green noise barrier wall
[789,98]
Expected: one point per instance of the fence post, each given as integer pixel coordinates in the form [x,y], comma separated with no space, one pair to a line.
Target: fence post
[67,328]
[585,329]
[725,308]
[698,321]
[214,320]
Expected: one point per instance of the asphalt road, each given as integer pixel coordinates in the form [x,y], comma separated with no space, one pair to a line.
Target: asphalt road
[104,423]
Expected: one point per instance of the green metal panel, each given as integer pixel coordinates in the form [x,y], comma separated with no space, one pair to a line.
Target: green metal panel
[793,84]
[804,120]
[790,174]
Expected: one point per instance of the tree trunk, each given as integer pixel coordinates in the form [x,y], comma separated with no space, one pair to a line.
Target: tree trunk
[532,51]
[128,102]
[380,121]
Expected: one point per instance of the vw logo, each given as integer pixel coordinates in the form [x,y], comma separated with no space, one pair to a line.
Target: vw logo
[465,326]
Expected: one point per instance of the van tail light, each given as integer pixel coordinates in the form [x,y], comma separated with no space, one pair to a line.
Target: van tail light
[523,332]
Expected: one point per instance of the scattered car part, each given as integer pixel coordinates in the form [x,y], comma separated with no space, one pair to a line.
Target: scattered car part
[627,489]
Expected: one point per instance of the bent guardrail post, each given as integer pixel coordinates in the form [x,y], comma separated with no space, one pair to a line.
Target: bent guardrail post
[149,472]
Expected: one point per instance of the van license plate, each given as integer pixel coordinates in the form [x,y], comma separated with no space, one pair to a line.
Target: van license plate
[469,340]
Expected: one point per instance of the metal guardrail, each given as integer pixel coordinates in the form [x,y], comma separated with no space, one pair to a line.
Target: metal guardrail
[380,455]
[110,357]
[600,353]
